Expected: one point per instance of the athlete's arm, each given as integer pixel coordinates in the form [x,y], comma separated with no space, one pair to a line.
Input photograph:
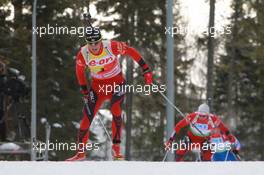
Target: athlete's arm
[123,49]
[219,123]
[224,129]
[80,73]
[182,124]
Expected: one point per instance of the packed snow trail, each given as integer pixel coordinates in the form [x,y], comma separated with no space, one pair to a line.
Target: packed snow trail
[131,168]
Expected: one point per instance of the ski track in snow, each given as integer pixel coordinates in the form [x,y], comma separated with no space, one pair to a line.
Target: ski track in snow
[131,168]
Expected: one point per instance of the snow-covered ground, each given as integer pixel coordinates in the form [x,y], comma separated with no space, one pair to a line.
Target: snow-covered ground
[131,168]
[9,146]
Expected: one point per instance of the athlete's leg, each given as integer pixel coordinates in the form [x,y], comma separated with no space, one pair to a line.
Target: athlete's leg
[180,154]
[89,111]
[231,156]
[116,102]
[218,157]
[206,155]
[116,110]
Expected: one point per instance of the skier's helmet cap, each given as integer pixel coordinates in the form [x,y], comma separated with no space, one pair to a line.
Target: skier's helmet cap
[204,109]
[93,35]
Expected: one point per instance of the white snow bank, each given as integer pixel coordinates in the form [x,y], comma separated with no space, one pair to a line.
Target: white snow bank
[9,146]
[131,168]
[57,125]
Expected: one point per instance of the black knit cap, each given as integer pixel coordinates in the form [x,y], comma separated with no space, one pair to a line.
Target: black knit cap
[93,35]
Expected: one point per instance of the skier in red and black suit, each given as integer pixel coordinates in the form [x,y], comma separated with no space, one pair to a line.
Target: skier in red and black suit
[102,59]
[201,124]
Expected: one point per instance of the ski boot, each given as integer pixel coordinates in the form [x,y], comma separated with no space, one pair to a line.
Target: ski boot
[80,156]
[117,155]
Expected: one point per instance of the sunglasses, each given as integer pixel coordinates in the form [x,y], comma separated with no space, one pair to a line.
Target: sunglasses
[203,115]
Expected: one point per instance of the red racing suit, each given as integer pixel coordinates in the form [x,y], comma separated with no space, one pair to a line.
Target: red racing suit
[105,72]
[200,128]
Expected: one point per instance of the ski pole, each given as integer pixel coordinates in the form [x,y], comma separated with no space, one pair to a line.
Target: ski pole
[89,112]
[179,111]
[165,156]
[226,155]
[87,18]
[237,156]
[167,151]
[88,109]
[107,133]
[168,100]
